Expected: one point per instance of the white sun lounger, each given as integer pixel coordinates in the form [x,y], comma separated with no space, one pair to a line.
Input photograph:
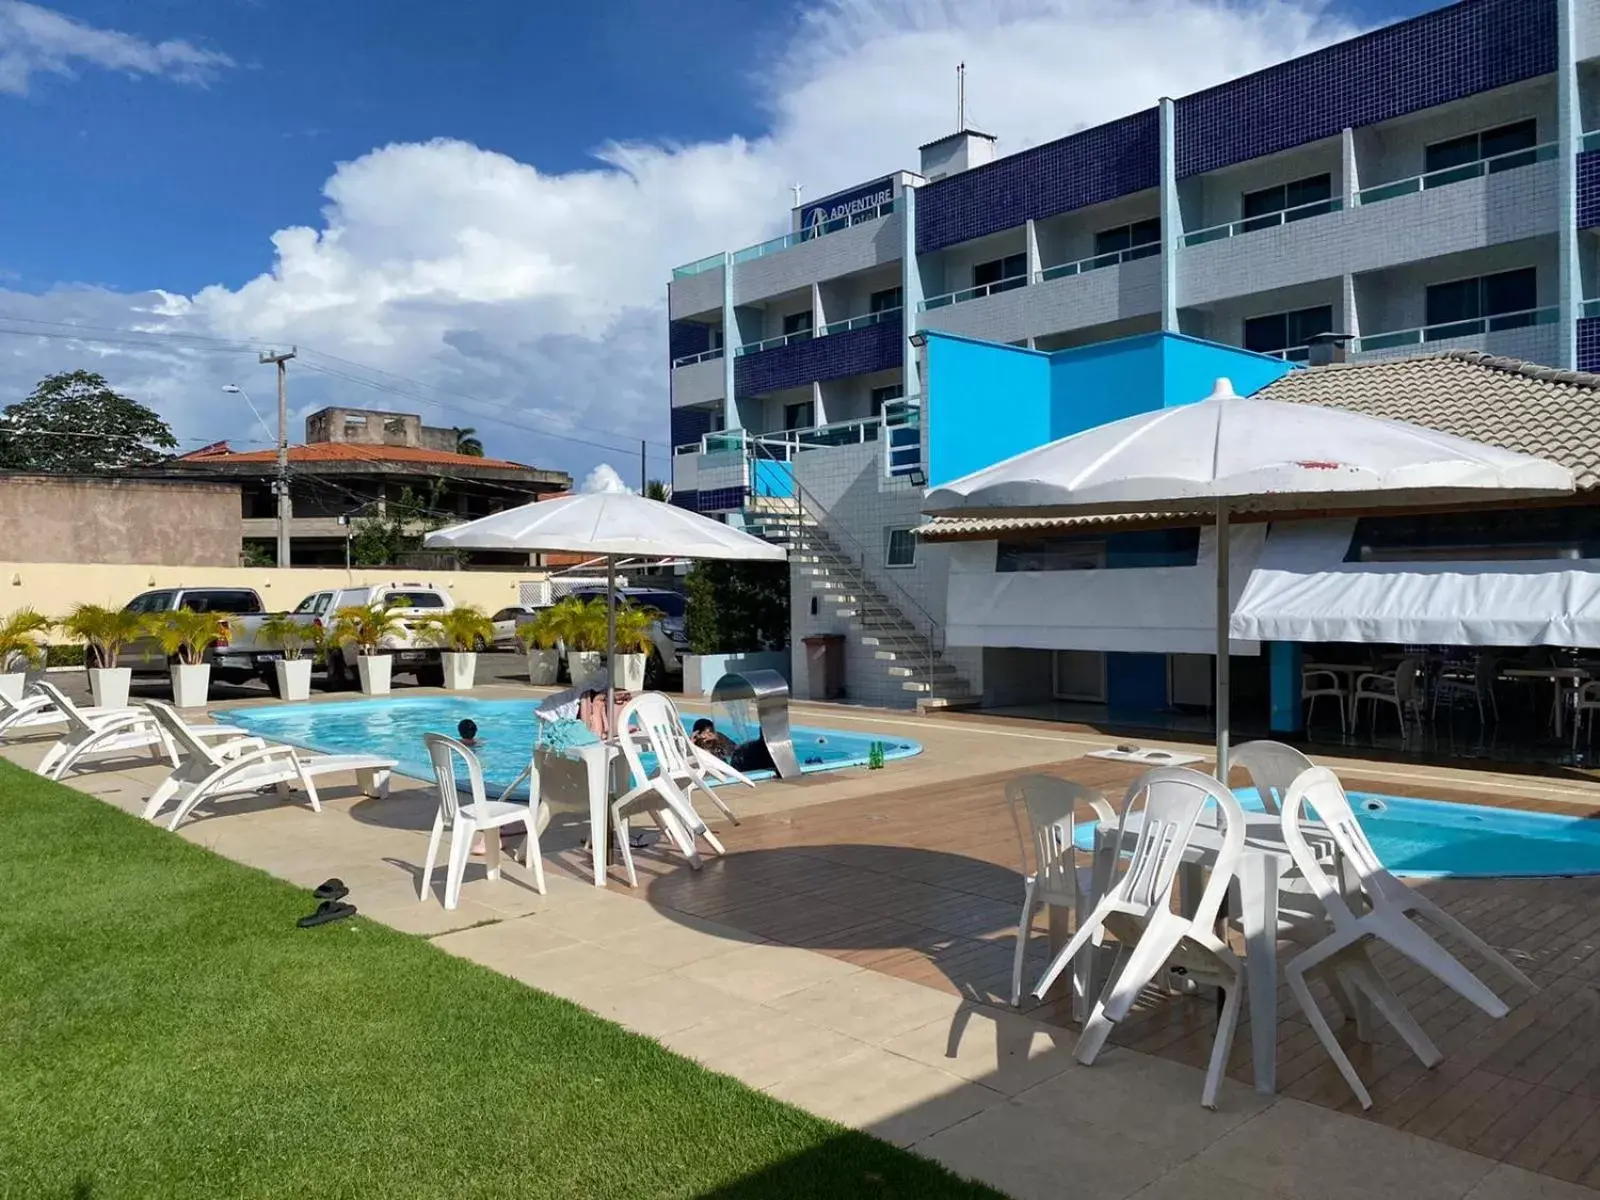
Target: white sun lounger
[37,710]
[114,733]
[247,764]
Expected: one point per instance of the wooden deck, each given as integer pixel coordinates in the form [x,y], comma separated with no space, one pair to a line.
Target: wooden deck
[924,884]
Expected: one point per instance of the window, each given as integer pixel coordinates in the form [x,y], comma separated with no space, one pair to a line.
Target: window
[1141,239]
[413,600]
[1550,533]
[1464,306]
[1001,274]
[1288,331]
[1465,153]
[899,548]
[150,602]
[222,602]
[882,396]
[799,416]
[1309,197]
[314,603]
[799,322]
[887,300]
[1143,548]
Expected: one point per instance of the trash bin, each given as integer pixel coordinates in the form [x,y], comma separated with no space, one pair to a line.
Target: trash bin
[825,666]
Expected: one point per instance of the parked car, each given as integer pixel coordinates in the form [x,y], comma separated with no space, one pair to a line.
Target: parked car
[144,655]
[667,633]
[506,622]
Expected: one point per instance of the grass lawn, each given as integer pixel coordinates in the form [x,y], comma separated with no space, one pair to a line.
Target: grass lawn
[165,1030]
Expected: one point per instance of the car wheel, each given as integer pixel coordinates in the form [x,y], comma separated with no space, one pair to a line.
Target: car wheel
[655,672]
[479,645]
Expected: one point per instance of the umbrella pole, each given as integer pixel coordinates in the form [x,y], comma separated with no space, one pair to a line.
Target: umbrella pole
[611,640]
[1223,613]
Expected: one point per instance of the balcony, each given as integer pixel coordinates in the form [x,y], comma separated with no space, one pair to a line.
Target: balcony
[973,293]
[1273,220]
[809,234]
[1098,262]
[1449,175]
[1458,329]
[799,359]
[698,379]
[704,356]
[892,315]
[1532,336]
[1100,290]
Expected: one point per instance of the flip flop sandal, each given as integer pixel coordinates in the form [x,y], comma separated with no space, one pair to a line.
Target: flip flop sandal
[327,911]
[330,889]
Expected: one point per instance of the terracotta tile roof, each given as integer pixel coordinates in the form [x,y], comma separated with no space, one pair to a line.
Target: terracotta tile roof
[334,452]
[1504,402]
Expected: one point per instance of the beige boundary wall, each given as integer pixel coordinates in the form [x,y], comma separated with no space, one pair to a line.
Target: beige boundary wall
[53,588]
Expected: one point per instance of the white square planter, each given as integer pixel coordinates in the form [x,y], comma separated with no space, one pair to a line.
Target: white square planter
[109,686]
[374,670]
[190,684]
[460,670]
[584,665]
[544,666]
[12,683]
[294,678]
[627,672]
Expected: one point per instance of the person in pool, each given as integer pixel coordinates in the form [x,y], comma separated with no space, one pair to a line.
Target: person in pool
[467,731]
[705,735]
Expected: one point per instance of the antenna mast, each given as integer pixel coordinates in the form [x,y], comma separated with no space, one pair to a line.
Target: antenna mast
[961,96]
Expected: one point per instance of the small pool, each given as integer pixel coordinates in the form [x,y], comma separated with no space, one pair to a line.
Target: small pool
[1437,838]
[506,728]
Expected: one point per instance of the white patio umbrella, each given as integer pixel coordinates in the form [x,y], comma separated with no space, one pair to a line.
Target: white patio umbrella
[1225,454]
[612,524]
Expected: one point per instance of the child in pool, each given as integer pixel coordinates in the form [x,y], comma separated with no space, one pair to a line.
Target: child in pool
[467,731]
[705,735]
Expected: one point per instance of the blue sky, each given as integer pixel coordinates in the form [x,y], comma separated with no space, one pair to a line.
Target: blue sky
[258,172]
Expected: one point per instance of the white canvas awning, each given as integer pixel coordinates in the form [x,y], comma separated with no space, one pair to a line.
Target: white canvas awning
[1302,590]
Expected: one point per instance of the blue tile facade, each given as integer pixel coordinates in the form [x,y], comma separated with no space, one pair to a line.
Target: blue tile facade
[1432,59]
[1086,168]
[1589,344]
[685,498]
[1589,189]
[719,500]
[877,347]
[685,338]
[690,425]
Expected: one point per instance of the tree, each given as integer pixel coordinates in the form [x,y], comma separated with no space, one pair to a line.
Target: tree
[75,422]
[468,443]
[736,606]
[657,490]
[379,541]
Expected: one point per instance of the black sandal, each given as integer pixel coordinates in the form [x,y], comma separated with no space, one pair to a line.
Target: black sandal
[327,911]
[330,889]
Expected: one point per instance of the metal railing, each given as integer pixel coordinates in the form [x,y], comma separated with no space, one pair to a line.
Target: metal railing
[1271,220]
[1449,175]
[1493,323]
[973,293]
[864,321]
[689,360]
[1097,262]
[709,263]
[1591,141]
[1589,308]
[1289,353]
[807,514]
[812,232]
[772,343]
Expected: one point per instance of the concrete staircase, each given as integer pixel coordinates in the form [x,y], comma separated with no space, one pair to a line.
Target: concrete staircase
[899,645]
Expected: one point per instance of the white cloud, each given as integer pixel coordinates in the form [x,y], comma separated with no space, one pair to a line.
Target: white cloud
[603,478]
[36,40]
[541,296]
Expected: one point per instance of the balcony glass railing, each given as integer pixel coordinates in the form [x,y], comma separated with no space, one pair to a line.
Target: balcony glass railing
[808,234]
[772,343]
[1269,220]
[1098,262]
[1455,329]
[1590,308]
[1591,141]
[709,263]
[1290,353]
[864,321]
[689,360]
[1449,175]
[973,293]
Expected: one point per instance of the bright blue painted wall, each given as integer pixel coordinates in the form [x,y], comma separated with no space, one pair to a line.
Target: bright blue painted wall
[1191,368]
[1091,385]
[985,402]
[1136,683]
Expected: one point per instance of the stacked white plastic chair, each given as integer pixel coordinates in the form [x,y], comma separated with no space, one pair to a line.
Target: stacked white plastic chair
[466,820]
[1138,909]
[247,764]
[1388,919]
[688,765]
[657,789]
[1043,810]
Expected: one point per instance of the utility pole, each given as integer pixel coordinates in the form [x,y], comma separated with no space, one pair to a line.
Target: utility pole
[644,473]
[281,484]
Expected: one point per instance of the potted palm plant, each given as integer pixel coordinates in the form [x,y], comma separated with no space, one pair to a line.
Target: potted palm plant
[20,648]
[585,636]
[104,632]
[634,644]
[539,637]
[299,642]
[364,627]
[459,633]
[184,637]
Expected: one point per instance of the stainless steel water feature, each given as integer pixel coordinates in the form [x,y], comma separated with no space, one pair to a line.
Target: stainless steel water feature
[767,693]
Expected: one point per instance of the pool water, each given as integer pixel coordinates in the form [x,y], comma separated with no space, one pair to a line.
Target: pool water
[1437,838]
[505,728]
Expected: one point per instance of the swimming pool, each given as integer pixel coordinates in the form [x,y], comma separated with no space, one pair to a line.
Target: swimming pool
[506,728]
[1436,838]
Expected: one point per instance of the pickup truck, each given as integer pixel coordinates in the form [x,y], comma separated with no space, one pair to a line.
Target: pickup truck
[414,603]
[144,656]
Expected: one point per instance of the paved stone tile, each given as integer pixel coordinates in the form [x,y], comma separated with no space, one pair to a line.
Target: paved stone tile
[660,1005]
[764,973]
[1191,1181]
[683,941]
[580,972]
[761,1049]
[872,1007]
[886,1095]
[1003,1051]
[504,943]
[1513,1183]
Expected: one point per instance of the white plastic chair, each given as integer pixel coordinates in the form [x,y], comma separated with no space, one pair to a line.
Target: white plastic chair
[36,710]
[1320,685]
[1388,919]
[1398,689]
[1043,810]
[248,764]
[1584,705]
[660,794]
[466,821]
[1272,767]
[688,765]
[1138,911]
